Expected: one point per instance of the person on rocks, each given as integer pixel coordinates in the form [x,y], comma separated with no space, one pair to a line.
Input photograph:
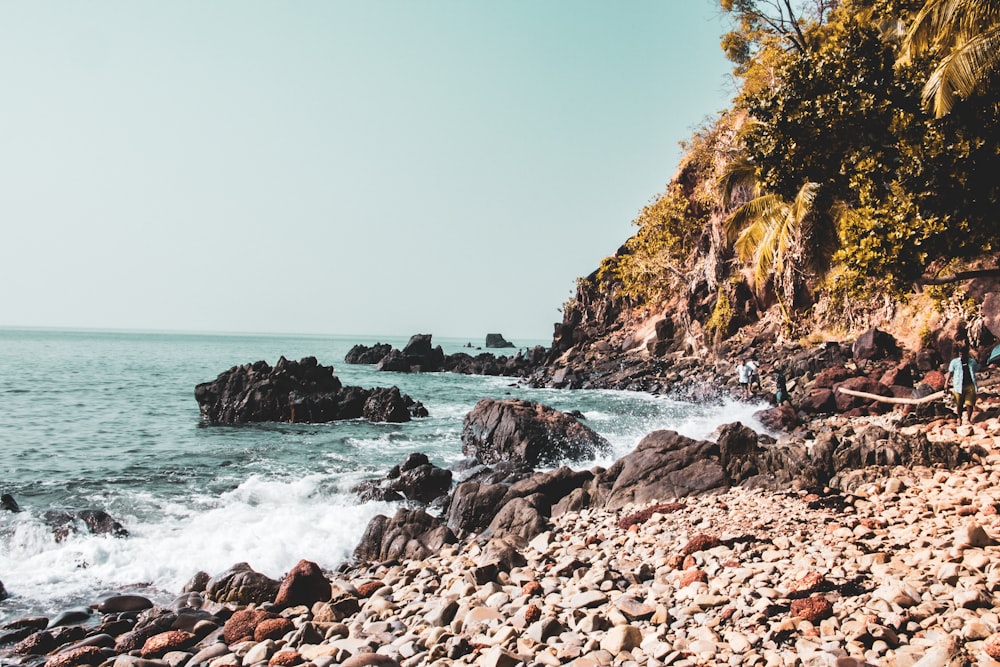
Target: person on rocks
[747,374]
[743,376]
[781,388]
[962,375]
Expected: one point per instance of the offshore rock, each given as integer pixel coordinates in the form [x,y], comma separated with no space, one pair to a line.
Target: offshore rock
[495,340]
[518,430]
[364,354]
[97,522]
[415,479]
[417,357]
[296,391]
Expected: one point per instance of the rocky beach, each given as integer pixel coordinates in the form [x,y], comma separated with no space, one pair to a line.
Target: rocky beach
[869,535]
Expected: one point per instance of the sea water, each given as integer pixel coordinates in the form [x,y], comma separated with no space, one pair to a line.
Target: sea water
[108,420]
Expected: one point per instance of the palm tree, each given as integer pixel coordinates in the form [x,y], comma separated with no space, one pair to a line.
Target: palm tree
[967,34]
[767,233]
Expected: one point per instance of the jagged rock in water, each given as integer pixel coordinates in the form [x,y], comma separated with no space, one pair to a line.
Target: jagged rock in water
[495,340]
[297,391]
[518,430]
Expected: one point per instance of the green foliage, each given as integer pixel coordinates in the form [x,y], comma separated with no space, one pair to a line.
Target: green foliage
[906,190]
[650,263]
[718,325]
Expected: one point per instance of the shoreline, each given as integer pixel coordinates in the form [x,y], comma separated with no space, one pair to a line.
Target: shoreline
[857,574]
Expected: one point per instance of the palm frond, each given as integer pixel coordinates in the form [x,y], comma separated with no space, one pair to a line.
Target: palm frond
[962,71]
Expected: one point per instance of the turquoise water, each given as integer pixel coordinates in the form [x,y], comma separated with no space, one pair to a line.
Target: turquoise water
[108,420]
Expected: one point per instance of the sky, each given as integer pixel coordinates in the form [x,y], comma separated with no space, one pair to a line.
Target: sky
[367,167]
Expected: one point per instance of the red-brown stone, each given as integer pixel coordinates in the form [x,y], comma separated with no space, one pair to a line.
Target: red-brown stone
[644,515]
[272,628]
[172,640]
[242,624]
[285,659]
[700,542]
[305,585]
[531,588]
[813,609]
[367,589]
[84,655]
[691,576]
[532,613]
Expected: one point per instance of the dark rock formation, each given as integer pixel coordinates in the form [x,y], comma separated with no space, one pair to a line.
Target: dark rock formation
[664,465]
[3,592]
[495,340]
[517,430]
[296,391]
[415,479]
[417,357]
[241,585]
[8,503]
[97,522]
[875,344]
[364,354]
[409,535]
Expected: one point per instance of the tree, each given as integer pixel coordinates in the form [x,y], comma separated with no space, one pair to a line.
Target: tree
[966,35]
[769,234]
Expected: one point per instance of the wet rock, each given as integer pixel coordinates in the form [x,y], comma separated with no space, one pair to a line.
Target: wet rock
[243,624]
[242,585]
[517,430]
[97,522]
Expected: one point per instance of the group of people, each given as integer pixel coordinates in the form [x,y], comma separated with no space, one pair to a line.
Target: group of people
[961,377]
[748,374]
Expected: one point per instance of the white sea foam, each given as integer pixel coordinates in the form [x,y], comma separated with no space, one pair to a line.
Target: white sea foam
[269,524]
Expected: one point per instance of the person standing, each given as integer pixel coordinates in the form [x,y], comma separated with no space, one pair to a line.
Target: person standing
[743,376]
[780,388]
[962,375]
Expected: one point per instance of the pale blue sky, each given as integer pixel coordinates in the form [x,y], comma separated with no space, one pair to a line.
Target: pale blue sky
[368,167]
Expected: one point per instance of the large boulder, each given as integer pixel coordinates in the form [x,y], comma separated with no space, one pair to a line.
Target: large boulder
[241,585]
[664,465]
[473,506]
[518,430]
[991,313]
[408,535]
[296,391]
[305,584]
[875,344]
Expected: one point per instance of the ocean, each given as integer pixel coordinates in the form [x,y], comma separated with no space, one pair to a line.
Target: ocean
[108,421]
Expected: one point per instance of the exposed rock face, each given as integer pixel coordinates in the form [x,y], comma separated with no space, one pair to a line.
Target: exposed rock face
[410,534]
[240,584]
[495,340]
[296,391]
[517,430]
[665,464]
